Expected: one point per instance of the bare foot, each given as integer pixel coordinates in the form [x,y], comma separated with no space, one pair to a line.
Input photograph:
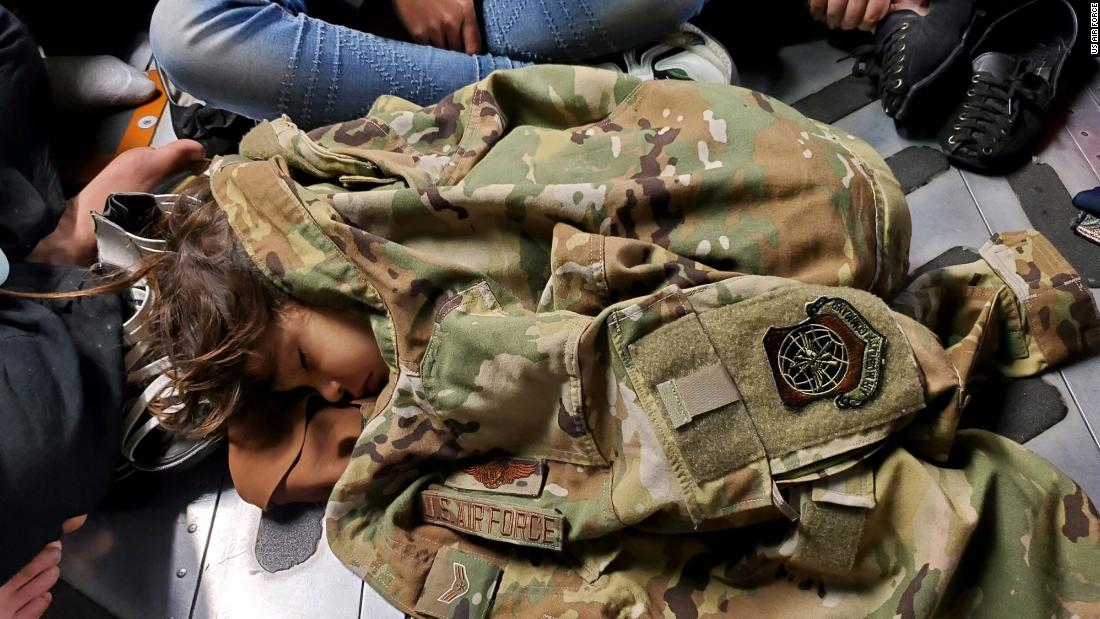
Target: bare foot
[139,169]
[27,594]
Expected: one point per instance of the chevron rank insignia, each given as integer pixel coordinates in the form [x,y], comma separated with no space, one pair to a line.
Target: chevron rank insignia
[459,584]
[834,353]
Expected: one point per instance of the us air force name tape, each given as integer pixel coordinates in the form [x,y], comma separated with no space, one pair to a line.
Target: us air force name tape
[488,518]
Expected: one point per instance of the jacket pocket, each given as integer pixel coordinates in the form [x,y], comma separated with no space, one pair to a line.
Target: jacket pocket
[511,380]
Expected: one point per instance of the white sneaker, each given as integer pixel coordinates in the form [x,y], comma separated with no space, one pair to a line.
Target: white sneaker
[687,54]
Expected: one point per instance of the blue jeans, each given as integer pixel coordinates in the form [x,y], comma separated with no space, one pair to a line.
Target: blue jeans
[263,58]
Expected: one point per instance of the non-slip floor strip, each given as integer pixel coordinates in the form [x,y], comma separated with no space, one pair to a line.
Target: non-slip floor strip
[838,99]
[915,166]
[288,535]
[1019,409]
[1050,208]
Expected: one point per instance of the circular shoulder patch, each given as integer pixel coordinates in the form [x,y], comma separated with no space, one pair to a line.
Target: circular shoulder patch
[835,352]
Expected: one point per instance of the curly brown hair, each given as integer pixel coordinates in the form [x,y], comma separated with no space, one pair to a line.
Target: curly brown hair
[212,308]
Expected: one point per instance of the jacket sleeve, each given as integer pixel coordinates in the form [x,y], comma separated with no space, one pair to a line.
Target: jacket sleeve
[1016,307]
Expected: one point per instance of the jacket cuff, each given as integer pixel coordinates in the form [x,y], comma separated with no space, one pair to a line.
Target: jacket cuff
[1061,317]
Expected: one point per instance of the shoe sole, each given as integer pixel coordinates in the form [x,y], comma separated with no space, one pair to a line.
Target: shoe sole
[719,52]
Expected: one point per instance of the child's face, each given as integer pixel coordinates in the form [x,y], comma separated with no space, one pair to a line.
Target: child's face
[329,352]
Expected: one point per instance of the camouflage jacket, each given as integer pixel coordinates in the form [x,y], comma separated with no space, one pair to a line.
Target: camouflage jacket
[641,364]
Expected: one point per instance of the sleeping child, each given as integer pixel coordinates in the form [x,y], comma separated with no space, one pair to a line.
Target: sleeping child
[568,344]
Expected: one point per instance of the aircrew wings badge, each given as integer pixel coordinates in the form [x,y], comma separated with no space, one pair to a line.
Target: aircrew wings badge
[515,476]
[834,353]
[498,473]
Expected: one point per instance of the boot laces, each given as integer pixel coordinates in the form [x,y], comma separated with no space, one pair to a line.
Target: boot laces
[991,108]
[867,64]
[885,64]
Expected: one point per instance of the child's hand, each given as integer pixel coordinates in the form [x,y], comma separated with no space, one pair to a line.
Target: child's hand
[849,14]
[446,24]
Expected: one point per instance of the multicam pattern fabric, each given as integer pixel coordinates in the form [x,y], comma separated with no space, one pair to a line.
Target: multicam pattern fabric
[540,252]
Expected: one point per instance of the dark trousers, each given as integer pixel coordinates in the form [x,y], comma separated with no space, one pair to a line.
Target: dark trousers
[61,376]
[30,193]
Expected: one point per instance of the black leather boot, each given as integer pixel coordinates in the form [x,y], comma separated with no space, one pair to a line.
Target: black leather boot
[912,52]
[1017,63]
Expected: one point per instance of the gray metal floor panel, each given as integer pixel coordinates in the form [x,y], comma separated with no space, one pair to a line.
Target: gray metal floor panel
[944,216]
[798,78]
[1083,126]
[144,563]
[1069,444]
[234,585]
[998,206]
[873,126]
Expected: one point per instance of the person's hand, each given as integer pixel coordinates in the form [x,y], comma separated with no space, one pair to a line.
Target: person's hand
[446,24]
[138,169]
[849,14]
[27,594]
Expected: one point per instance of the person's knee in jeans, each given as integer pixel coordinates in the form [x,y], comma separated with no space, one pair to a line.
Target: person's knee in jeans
[221,51]
[180,48]
[579,30]
[639,21]
[663,14]
[263,58]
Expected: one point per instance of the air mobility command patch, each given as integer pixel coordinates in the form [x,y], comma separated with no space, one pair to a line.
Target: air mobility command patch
[834,352]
